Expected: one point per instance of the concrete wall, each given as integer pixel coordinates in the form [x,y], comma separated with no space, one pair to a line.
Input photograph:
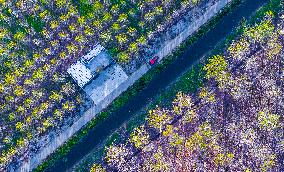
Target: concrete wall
[185,30]
[191,27]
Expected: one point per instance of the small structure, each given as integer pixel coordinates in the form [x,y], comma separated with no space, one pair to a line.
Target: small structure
[106,83]
[80,73]
[93,53]
[90,65]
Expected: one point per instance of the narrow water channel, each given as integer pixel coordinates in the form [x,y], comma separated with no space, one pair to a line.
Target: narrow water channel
[160,82]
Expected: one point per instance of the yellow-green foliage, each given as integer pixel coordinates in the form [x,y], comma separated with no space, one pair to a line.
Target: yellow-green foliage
[176,140]
[223,159]
[239,47]
[19,36]
[168,131]
[202,139]
[215,66]
[268,163]
[267,120]
[260,31]
[2,2]
[159,163]
[123,57]
[274,46]
[182,102]
[139,137]
[157,118]
[195,1]
[97,168]
[19,126]
[206,95]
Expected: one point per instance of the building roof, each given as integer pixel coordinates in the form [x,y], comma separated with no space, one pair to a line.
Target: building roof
[93,53]
[89,65]
[80,73]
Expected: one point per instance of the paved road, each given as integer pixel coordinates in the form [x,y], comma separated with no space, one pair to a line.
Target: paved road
[158,84]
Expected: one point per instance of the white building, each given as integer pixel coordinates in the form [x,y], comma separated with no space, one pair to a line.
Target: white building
[80,73]
[93,53]
[88,66]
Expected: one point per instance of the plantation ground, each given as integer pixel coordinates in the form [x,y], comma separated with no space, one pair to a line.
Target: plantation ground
[41,39]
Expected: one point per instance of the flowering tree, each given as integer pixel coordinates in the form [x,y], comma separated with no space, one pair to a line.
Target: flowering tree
[233,123]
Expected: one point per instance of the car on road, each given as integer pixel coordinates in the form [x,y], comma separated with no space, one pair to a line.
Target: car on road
[153,60]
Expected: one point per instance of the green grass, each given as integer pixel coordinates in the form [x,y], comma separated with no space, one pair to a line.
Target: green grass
[35,22]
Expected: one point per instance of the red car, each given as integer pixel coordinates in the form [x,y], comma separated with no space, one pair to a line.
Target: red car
[154,60]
